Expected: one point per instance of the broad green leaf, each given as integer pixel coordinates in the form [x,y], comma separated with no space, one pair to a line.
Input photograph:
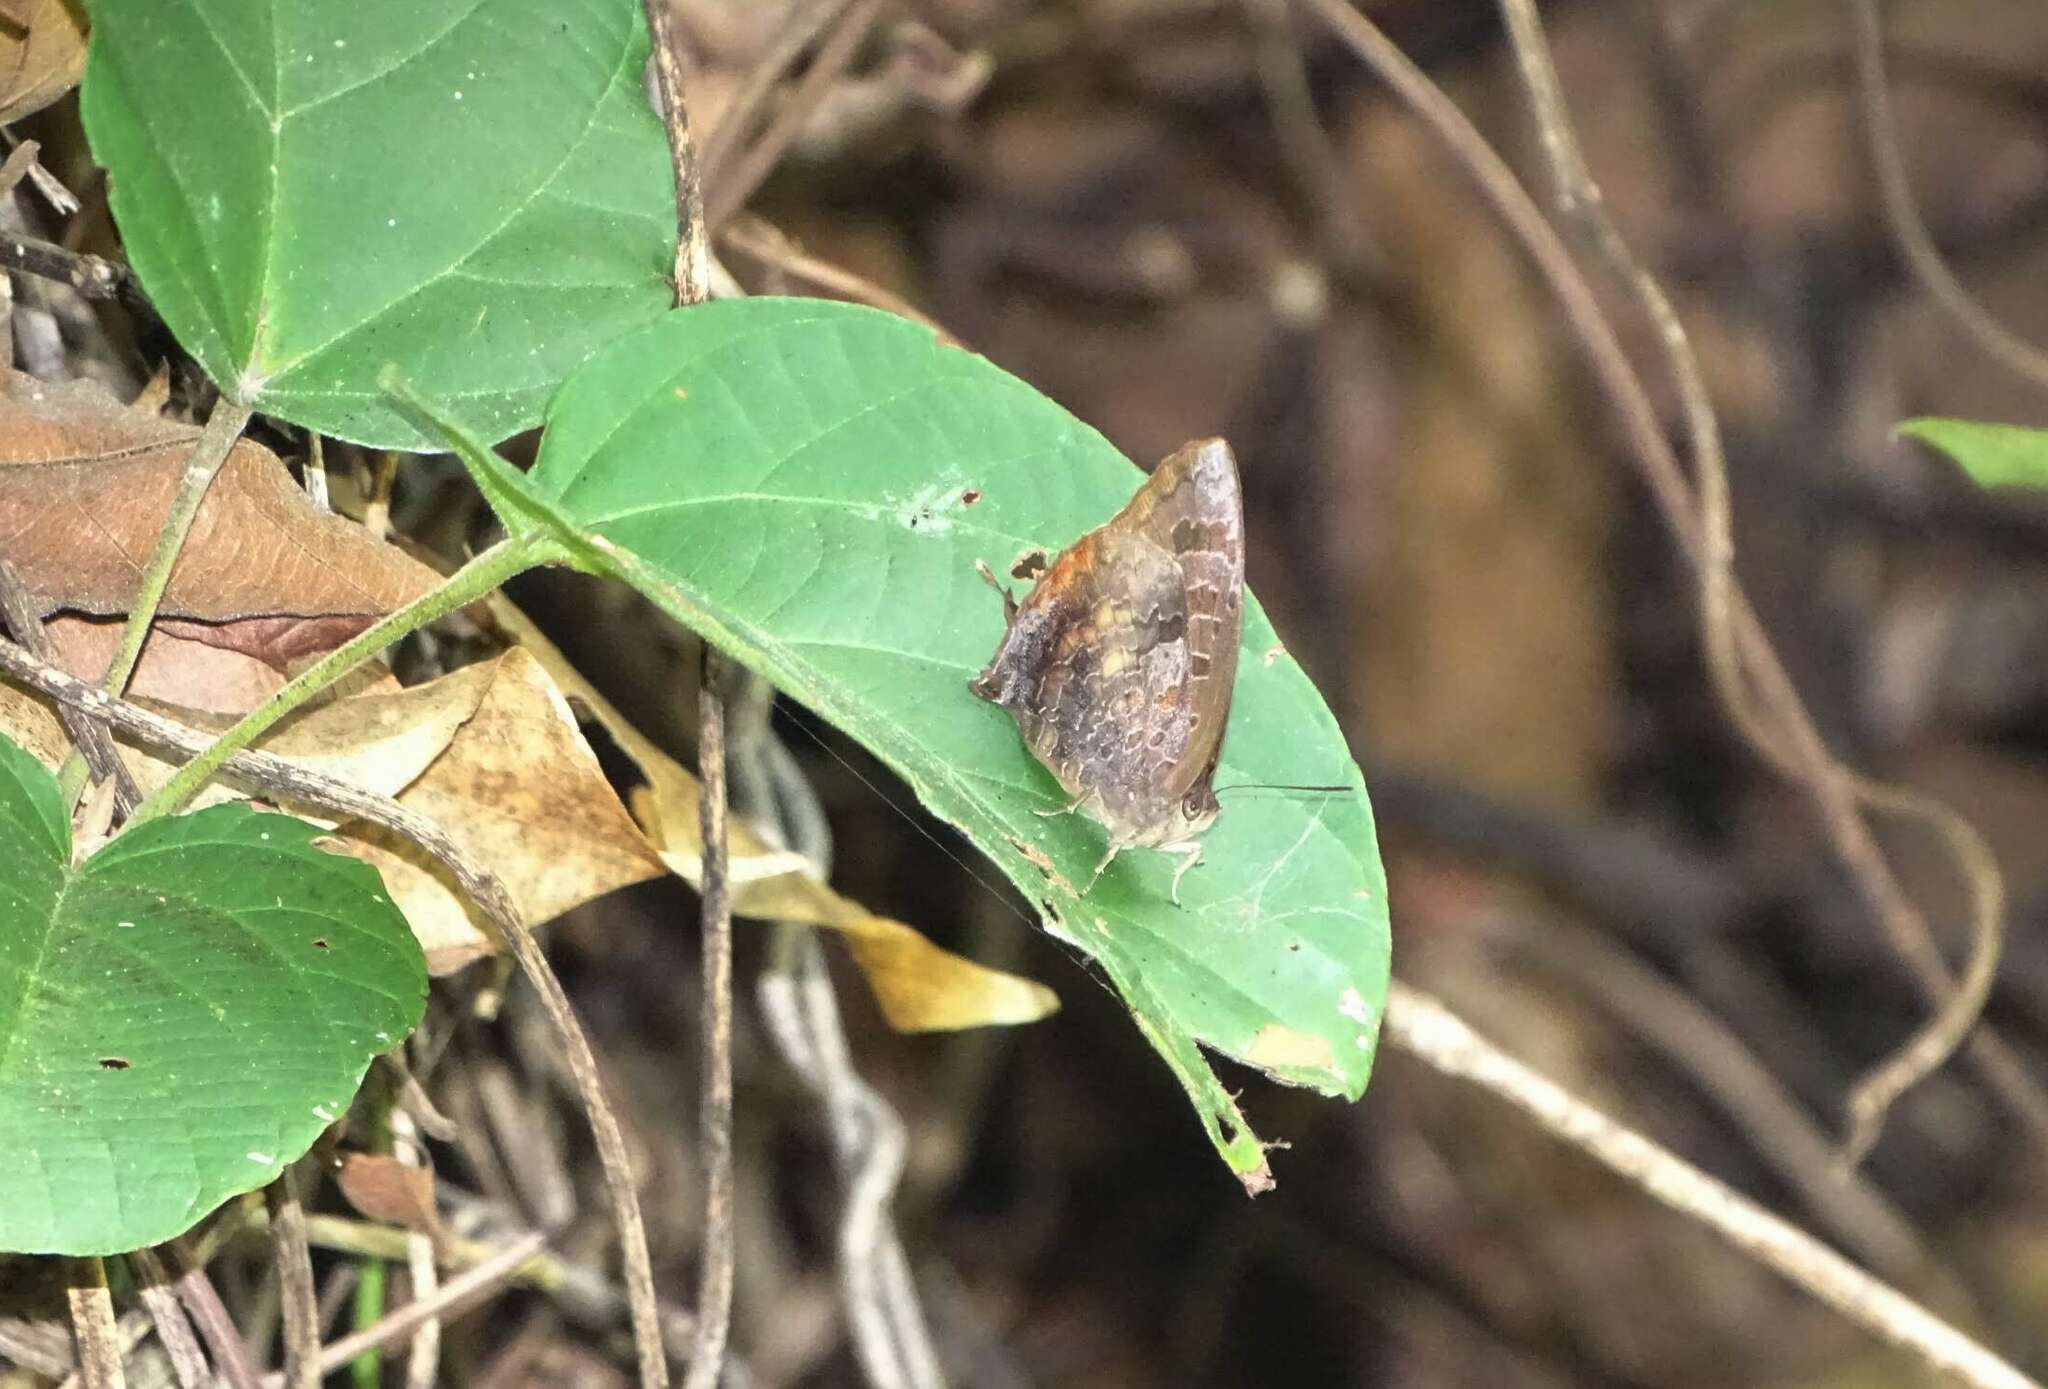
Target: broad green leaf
[309,190]
[1996,455]
[810,486]
[180,1016]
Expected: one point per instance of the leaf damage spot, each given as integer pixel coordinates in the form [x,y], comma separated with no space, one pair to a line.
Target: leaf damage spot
[114,1063]
[1278,1047]
[970,496]
[261,1159]
[320,942]
[1274,653]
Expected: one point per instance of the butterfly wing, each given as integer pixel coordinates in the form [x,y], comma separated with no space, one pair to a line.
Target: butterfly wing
[1095,667]
[1192,507]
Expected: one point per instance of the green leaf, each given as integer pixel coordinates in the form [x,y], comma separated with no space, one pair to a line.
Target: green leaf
[810,485]
[1996,455]
[180,1016]
[310,190]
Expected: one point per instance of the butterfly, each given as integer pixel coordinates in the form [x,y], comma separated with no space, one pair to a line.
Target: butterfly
[1118,666]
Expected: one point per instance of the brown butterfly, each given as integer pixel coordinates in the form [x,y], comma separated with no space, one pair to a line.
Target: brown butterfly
[1119,665]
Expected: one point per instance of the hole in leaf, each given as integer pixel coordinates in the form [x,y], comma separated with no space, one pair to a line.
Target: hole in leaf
[970,496]
[319,942]
[114,1063]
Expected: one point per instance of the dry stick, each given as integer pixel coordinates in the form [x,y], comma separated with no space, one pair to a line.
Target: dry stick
[216,1327]
[1423,1027]
[890,1337]
[1895,192]
[714,1137]
[279,778]
[293,1259]
[755,237]
[751,169]
[89,736]
[1836,794]
[1318,170]
[693,246]
[97,1343]
[91,276]
[448,1299]
[736,122]
[173,1328]
[1672,1023]
[714,1123]
[1580,199]
[423,1356]
[40,1347]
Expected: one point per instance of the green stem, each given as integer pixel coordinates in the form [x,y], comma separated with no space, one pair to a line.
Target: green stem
[223,427]
[469,583]
[366,1371]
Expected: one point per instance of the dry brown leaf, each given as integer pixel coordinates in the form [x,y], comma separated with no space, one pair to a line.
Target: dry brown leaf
[42,53]
[175,670]
[85,484]
[381,1187]
[519,791]
[920,987]
[490,753]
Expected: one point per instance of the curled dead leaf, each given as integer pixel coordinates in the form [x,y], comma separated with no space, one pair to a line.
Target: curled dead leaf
[42,53]
[381,1187]
[85,483]
[919,986]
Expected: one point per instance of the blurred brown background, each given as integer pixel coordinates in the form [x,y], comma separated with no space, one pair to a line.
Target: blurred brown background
[1114,199]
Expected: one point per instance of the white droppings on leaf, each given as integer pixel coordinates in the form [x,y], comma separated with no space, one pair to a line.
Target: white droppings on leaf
[458,94]
[125,925]
[323,1114]
[260,1159]
[1353,1006]
[926,510]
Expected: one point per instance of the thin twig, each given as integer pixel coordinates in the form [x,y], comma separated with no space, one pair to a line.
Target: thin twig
[96,1343]
[1827,780]
[1423,1027]
[1319,173]
[736,122]
[93,277]
[281,779]
[890,1336]
[216,1327]
[293,1259]
[173,1327]
[423,1355]
[714,1124]
[1902,216]
[1836,792]
[751,169]
[40,1347]
[90,737]
[450,1298]
[693,246]
[1686,1034]
[755,237]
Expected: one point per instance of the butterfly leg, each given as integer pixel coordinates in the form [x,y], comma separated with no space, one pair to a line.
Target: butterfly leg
[1068,809]
[1009,603]
[1193,852]
[1114,849]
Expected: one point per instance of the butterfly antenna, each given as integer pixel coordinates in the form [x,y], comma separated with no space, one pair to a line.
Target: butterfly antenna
[1275,786]
[983,883]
